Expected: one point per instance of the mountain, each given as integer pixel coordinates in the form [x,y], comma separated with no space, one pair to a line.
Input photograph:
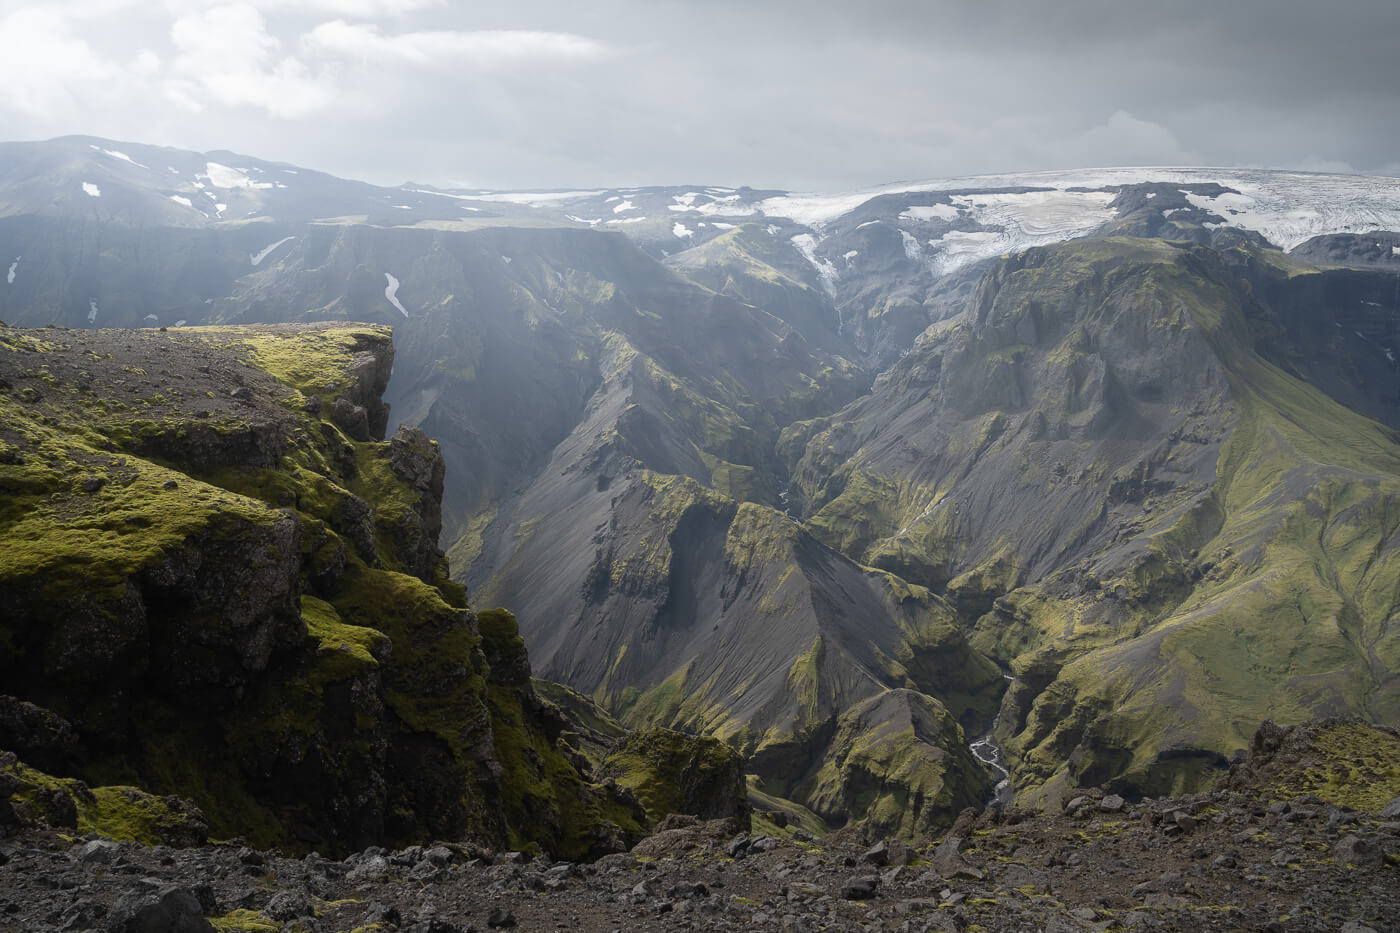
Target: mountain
[1106,458]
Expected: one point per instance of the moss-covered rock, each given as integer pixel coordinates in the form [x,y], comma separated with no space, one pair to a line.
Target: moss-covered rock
[672,772]
[35,799]
[899,764]
[548,796]
[1347,762]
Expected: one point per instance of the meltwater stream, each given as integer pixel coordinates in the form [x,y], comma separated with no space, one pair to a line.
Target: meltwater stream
[987,751]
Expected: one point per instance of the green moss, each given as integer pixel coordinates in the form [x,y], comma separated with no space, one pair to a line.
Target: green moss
[244,921]
[129,814]
[672,772]
[1349,764]
[120,813]
[466,550]
[545,799]
[59,534]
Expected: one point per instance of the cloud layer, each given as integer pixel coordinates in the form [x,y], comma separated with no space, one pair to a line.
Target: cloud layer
[781,93]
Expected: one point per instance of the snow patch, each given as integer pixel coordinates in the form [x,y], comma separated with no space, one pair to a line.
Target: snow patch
[1395,251]
[720,225]
[181,323]
[226,176]
[219,209]
[91,190]
[391,291]
[507,260]
[580,220]
[626,220]
[530,198]
[1168,211]
[931,212]
[958,248]
[679,230]
[911,247]
[624,206]
[258,257]
[807,245]
[10,277]
[181,199]
[866,224]
[848,256]
[118,155]
[154,319]
[1287,208]
[92,310]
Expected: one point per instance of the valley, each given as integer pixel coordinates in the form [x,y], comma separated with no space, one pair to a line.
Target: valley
[1103,462]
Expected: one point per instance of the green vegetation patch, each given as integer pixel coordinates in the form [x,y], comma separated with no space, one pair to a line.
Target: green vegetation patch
[1350,764]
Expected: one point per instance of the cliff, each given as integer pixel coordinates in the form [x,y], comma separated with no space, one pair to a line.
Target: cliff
[221,583]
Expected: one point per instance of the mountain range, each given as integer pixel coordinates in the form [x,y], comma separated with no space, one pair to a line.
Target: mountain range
[1102,465]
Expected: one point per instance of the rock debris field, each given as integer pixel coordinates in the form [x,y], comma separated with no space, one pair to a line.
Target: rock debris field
[1219,861]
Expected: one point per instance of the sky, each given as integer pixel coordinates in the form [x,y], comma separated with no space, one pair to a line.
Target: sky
[806,96]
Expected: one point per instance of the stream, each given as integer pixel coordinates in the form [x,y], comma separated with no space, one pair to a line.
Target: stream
[987,751]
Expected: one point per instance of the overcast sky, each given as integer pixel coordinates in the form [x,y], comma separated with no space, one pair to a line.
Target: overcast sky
[818,95]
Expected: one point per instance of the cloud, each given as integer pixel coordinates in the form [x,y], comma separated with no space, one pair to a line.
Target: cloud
[489,48]
[1123,139]
[42,64]
[225,55]
[358,9]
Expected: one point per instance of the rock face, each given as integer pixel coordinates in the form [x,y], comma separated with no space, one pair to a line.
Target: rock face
[215,592]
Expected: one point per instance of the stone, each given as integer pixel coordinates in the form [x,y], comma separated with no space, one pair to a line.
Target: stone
[288,905]
[1391,811]
[170,909]
[438,855]
[1356,850]
[97,851]
[373,868]
[499,918]
[1113,803]
[947,858]
[878,854]
[860,889]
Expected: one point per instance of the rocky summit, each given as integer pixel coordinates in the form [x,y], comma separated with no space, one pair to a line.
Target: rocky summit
[924,556]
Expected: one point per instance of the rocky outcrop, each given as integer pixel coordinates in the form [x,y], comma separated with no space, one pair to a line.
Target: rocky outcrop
[674,773]
[265,628]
